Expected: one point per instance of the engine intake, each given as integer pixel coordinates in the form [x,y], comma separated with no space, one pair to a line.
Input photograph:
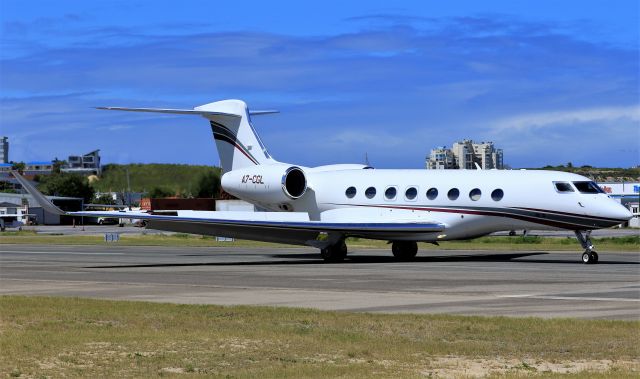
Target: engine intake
[294,182]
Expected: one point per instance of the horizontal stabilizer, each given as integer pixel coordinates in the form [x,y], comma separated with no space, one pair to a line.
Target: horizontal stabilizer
[170,111]
[260,113]
[196,112]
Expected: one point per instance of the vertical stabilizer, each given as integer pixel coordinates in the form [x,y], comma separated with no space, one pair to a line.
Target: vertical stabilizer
[238,144]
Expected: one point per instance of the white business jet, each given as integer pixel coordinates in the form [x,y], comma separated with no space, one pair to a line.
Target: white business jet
[322,206]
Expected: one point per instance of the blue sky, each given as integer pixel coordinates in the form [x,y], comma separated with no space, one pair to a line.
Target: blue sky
[550,82]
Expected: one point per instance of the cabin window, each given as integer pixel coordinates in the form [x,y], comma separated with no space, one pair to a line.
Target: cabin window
[432,193]
[411,193]
[563,187]
[475,194]
[350,192]
[453,194]
[370,193]
[588,187]
[497,194]
[390,193]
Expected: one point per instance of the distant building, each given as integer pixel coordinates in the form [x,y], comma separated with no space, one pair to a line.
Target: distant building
[87,164]
[4,149]
[441,158]
[38,168]
[39,214]
[13,215]
[465,155]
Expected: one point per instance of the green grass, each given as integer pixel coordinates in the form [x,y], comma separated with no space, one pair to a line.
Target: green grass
[626,243]
[71,337]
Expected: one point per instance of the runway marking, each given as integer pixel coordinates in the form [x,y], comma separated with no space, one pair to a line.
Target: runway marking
[550,297]
[248,288]
[56,253]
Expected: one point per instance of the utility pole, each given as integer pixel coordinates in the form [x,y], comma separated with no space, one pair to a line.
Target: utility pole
[128,189]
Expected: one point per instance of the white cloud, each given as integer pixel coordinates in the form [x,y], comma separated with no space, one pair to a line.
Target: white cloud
[550,119]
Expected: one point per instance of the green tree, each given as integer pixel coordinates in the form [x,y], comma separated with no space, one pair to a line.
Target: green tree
[63,184]
[159,193]
[18,166]
[57,165]
[7,187]
[105,198]
[209,184]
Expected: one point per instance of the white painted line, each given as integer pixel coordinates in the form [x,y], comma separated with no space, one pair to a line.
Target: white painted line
[55,253]
[546,297]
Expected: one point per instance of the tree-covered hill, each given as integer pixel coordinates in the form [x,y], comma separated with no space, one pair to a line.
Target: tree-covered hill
[601,174]
[175,178]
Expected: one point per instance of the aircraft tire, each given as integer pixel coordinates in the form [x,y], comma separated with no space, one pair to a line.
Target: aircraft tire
[334,253]
[404,250]
[589,257]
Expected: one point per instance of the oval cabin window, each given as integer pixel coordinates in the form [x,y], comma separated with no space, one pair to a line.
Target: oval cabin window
[497,194]
[390,193]
[411,193]
[370,193]
[475,194]
[350,192]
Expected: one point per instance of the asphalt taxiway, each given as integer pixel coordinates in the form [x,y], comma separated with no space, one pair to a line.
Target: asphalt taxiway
[524,283]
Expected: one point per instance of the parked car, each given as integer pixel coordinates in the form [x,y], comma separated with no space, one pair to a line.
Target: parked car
[108,221]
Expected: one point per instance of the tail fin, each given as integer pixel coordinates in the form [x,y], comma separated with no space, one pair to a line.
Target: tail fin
[238,143]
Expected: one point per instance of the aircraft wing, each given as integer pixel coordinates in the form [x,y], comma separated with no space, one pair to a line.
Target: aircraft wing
[284,227]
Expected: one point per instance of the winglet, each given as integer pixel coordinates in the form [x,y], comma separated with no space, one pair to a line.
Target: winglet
[45,203]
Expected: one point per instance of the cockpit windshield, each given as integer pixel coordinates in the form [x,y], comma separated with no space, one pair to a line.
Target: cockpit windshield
[588,187]
[563,187]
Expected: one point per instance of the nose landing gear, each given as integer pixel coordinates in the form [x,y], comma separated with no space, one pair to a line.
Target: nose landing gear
[589,256]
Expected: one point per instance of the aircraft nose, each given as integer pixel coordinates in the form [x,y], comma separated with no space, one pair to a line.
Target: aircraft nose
[620,212]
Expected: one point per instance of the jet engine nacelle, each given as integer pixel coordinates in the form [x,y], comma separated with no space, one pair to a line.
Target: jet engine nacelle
[272,186]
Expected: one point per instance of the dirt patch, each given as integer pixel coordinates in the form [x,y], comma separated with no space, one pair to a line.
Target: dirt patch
[235,344]
[173,370]
[455,367]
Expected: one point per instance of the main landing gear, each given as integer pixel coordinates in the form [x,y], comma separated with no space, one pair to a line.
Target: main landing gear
[404,250]
[589,256]
[334,253]
[337,252]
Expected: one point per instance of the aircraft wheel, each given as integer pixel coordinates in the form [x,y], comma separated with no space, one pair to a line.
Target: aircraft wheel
[589,257]
[334,253]
[404,250]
